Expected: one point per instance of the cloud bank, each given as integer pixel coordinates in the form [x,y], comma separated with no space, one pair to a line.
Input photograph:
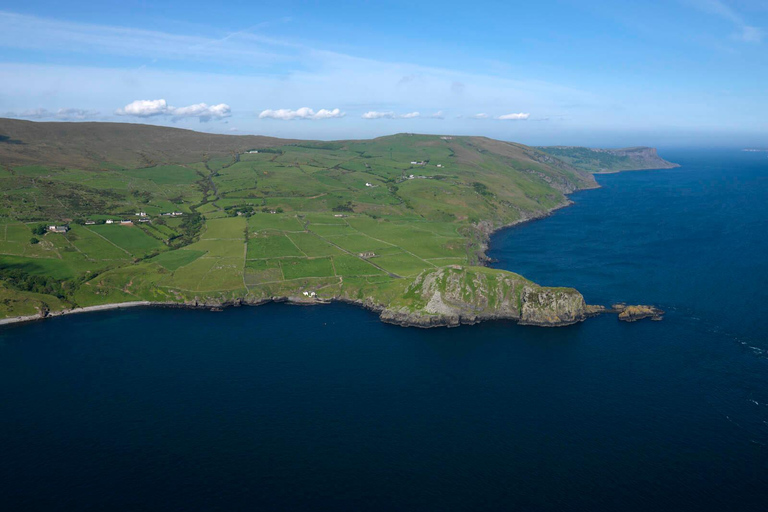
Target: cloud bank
[151,108]
[63,114]
[388,114]
[514,117]
[304,113]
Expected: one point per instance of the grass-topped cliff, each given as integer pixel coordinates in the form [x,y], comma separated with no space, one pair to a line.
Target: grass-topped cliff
[396,223]
[609,160]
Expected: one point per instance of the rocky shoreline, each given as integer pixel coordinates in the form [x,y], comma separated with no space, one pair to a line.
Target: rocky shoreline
[447,318]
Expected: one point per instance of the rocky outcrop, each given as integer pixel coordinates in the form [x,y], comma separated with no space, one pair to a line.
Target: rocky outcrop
[637,312]
[552,306]
[466,295]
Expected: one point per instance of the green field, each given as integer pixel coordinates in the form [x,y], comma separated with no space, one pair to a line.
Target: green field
[131,239]
[294,217]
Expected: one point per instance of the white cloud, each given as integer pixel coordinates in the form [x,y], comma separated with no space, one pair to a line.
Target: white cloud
[144,108]
[203,112]
[481,115]
[378,115]
[150,108]
[373,114]
[328,114]
[514,117]
[437,115]
[286,114]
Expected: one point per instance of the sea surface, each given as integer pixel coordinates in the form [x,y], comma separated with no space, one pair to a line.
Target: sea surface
[325,408]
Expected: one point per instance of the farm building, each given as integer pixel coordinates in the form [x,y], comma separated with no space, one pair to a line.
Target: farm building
[367,254]
[58,229]
[126,223]
[109,221]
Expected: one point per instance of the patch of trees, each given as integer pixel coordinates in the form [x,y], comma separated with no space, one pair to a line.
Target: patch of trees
[21,280]
[330,146]
[40,229]
[344,207]
[190,228]
[245,211]
[142,196]
[482,189]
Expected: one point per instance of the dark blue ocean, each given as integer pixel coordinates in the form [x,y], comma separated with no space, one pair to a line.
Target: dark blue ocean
[325,408]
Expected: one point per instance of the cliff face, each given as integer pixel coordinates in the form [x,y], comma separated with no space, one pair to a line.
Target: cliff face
[467,295]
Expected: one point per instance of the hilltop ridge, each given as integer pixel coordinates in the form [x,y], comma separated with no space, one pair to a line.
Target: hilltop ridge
[94,145]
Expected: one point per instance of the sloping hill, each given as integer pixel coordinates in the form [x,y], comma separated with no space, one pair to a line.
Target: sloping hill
[216,223]
[96,145]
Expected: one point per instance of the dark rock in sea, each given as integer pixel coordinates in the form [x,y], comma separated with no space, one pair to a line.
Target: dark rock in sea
[637,312]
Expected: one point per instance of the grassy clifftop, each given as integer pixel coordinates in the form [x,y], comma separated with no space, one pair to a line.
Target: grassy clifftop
[257,218]
[609,160]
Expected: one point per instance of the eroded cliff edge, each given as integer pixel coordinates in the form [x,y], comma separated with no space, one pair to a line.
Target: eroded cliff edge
[452,296]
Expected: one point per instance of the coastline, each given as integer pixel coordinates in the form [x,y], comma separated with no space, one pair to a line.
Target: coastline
[485,228]
[43,315]
[385,315]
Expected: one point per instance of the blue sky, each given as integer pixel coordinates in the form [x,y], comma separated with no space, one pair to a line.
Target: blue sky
[601,73]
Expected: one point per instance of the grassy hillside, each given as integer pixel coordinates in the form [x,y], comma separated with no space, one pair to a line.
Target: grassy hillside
[114,145]
[355,220]
[609,160]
